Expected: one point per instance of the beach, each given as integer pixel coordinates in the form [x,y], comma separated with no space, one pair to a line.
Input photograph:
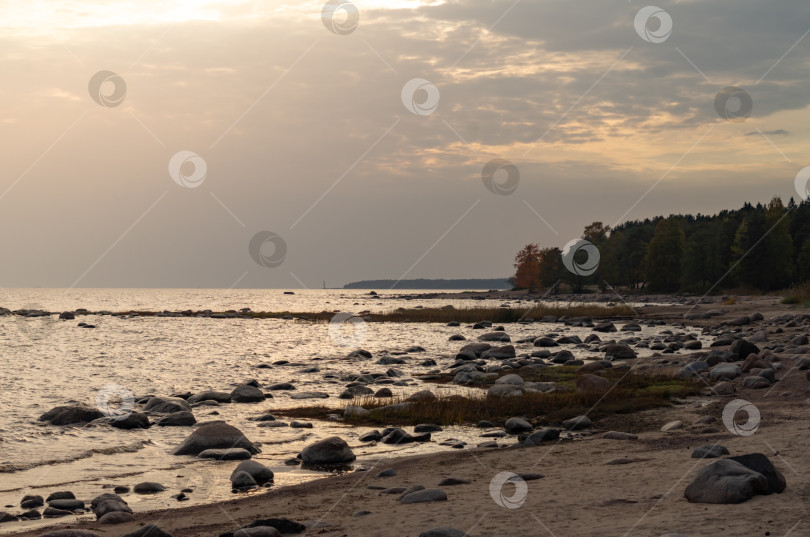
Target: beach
[577,483]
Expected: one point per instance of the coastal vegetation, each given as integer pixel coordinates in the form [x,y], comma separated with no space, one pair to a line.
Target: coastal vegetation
[757,248]
[634,391]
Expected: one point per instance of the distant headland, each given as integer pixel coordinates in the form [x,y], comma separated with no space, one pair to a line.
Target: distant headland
[484,283]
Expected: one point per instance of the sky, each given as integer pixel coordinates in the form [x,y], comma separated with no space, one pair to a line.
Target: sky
[221,144]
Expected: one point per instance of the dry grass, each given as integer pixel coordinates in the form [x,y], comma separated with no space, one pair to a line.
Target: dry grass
[634,392]
[798,295]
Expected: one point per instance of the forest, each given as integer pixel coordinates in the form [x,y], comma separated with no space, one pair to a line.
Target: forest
[757,248]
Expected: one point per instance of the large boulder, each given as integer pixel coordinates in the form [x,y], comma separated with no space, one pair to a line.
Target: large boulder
[725,481]
[332,450]
[69,415]
[215,435]
[762,465]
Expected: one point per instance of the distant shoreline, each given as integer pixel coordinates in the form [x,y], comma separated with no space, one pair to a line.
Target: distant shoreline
[498,284]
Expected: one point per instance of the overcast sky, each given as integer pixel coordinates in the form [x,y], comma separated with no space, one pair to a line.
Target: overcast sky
[301,128]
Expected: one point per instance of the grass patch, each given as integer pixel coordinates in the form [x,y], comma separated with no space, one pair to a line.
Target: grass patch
[799,295]
[635,392]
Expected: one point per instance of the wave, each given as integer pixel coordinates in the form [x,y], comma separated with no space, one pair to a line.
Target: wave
[126,448]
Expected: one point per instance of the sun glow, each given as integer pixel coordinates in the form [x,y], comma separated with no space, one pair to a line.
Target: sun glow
[41,16]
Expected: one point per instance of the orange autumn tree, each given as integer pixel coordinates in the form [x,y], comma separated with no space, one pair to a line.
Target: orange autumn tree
[527,267]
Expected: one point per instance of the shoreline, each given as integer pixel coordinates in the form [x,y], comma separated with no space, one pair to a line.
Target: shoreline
[579,494]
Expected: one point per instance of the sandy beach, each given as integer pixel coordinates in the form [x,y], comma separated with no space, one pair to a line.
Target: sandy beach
[588,485]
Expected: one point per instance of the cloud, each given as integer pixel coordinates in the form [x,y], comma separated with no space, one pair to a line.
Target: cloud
[305,134]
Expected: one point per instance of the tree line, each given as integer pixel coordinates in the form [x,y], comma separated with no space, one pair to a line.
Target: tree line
[762,247]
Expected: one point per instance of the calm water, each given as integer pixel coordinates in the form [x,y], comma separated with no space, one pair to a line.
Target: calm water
[44,364]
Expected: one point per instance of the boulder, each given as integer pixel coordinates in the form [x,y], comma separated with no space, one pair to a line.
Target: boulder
[725,371]
[543,435]
[166,405]
[177,419]
[257,531]
[309,395]
[510,379]
[742,348]
[247,394]
[579,422]
[502,337]
[725,481]
[756,382]
[422,396]
[396,436]
[132,420]
[762,465]
[69,415]
[52,512]
[67,505]
[517,426]
[110,506]
[61,495]
[30,501]
[505,390]
[116,517]
[242,481]
[443,531]
[476,349]
[619,435]
[500,353]
[672,426]
[355,411]
[148,487]
[545,342]
[619,351]
[215,435]
[332,450]
[424,496]
[258,471]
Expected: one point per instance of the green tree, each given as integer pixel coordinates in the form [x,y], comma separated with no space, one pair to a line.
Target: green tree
[664,255]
